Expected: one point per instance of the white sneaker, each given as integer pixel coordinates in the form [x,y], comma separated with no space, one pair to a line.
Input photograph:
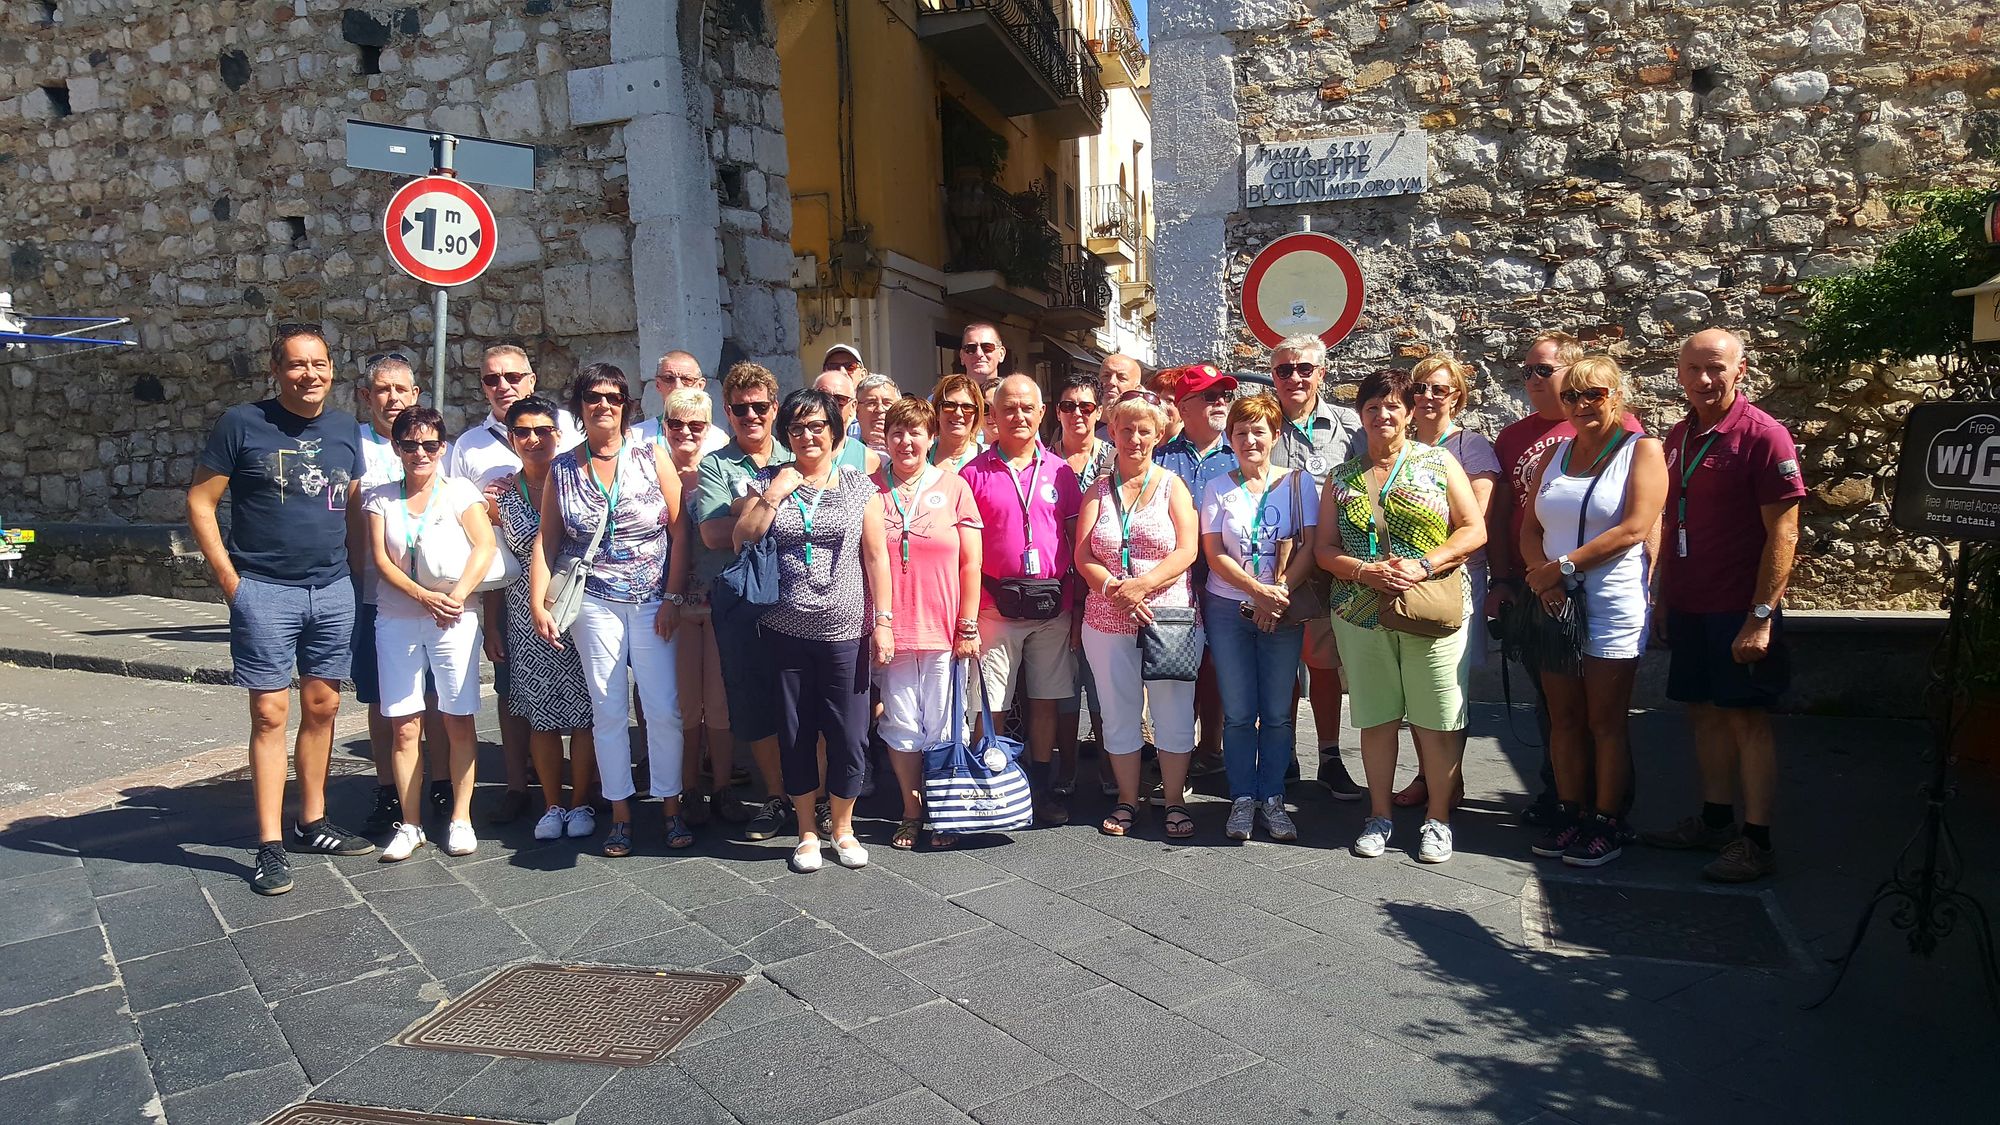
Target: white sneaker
[406,839]
[1374,838]
[850,853]
[1278,822]
[550,827]
[582,821]
[459,838]
[1242,818]
[805,858]
[1434,842]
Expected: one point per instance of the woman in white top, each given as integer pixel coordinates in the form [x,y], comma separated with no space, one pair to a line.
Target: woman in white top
[1442,390]
[1596,510]
[419,629]
[1256,533]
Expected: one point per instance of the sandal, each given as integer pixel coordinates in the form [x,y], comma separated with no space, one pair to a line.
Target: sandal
[906,835]
[1417,792]
[619,843]
[942,841]
[1181,828]
[679,835]
[1120,821]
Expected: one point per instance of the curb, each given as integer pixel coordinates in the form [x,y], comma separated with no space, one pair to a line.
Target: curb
[116,666]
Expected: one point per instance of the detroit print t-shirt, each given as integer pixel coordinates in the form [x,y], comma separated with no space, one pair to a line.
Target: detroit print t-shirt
[288,480]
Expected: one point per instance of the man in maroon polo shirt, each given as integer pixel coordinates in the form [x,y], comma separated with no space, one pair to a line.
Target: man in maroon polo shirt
[1520,447]
[1731,526]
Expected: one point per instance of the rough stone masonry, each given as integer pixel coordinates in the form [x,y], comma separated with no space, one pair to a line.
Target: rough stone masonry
[1627,169]
[183,164]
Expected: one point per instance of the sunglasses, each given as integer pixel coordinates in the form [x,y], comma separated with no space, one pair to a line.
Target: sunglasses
[840,401]
[840,365]
[411,445]
[952,406]
[1294,370]
[525,432]
[609,398]
[814,428]
[1142,395]
[986,346]
[1432,390]
[759,407]
[492,378]
[1212,397]
[1587,394]
[399,356]
[1077,406]
[696,427]
[1540,370]
[691,382]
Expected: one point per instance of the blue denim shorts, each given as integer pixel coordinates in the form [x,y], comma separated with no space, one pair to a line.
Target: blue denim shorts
[276,629]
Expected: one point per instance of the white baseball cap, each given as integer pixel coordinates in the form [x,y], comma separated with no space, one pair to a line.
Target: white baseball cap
[848,348]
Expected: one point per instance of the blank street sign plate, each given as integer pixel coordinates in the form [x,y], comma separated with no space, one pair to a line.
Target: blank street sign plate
[393,148]
[576,1013]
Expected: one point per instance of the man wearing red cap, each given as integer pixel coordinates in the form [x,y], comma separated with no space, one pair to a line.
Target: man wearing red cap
[1199,454]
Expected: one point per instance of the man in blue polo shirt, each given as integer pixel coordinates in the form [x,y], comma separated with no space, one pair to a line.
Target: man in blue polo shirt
[290,466]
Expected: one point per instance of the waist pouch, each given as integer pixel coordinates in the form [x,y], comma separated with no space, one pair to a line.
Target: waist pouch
[1025,599]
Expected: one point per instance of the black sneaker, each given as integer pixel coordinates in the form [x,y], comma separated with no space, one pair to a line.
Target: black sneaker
[1596,845]
[1564,829]
[274,871]
[328,838]
[1333,775]
[509,807]
[441,797]
[1545,812]
[771,818]
[388,811]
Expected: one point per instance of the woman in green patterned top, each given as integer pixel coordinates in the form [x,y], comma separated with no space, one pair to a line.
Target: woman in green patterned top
[1429,524]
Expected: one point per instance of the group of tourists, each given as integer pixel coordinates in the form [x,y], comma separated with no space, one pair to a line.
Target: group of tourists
[982,541]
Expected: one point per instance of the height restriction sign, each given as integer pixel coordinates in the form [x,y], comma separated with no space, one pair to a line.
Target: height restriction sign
[440,231]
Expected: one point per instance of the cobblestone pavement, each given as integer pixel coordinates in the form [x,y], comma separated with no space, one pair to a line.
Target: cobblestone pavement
[1059,976]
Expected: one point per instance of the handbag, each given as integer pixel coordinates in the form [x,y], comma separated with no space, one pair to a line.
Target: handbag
[1170,645]
[1025,599]
[748,585]
[1553,642]
[440,562]
[1434,607]
[977,786]
[1312,600]
[565,597]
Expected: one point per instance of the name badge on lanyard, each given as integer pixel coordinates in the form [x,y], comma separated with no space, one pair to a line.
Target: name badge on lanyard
[1687,468]
[1031,558]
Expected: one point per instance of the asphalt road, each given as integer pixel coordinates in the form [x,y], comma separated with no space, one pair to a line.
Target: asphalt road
[65,729]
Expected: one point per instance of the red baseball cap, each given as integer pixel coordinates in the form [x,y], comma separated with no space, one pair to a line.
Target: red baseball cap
[1198,377]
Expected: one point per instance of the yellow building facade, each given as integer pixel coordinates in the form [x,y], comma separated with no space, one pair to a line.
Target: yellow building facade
[940,173]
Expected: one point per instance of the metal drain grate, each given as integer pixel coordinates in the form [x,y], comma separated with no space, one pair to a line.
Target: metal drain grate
[1709,927]
[327,1113]
[576,1013]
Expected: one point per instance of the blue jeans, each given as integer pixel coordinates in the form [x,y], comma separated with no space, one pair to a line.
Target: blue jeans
[1255,672]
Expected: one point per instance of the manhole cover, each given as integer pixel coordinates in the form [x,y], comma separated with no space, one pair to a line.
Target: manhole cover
[577,1013]
[1710,927]
[327,1113]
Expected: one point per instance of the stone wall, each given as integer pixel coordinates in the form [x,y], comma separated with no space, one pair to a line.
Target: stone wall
[1630,170]
[188,172]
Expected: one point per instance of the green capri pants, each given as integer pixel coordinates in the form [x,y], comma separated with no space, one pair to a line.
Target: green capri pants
[1394,676]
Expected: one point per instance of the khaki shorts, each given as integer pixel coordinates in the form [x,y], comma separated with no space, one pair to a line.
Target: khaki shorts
[1033,654]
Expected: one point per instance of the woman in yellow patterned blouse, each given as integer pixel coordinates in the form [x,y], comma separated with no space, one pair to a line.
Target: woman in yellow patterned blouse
[1400,514]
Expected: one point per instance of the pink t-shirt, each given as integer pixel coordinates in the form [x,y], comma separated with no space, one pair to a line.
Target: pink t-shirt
[1053,498]
[924,582]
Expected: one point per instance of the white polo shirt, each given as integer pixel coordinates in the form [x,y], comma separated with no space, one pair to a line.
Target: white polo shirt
[482,454]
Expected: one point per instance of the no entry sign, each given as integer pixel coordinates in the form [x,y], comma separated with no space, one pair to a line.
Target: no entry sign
[440,231]
[1303,282]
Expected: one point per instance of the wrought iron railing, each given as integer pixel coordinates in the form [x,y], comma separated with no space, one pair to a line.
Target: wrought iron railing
[1110,212]
[1085,77]
[1115,30]
[1142,261]
[1080,282]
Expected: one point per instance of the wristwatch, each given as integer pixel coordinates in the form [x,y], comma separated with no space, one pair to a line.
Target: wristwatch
[1567,567]
[1762,611]
[884,617]
[1429,570]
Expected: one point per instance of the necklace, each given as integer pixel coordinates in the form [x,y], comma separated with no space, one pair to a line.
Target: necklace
[596,456]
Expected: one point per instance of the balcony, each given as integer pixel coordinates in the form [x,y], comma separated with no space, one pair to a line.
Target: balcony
[1114,38]
[1111,223]
[1135,292]
[1081,293]
[1003,251]
[1019,58]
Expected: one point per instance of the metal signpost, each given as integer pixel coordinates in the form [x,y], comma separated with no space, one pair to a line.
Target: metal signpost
[438,229]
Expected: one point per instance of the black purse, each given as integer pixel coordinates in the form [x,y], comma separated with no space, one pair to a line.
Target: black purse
[1170,645]
[1313,599]
[1551,642]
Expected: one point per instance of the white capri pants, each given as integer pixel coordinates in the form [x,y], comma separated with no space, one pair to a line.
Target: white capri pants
[916,700]
[1114,663]
[407,647]
[612,638]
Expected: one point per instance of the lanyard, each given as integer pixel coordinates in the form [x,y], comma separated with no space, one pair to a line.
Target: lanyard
[916,494]
[1611,447]
[1257,502]
[413,531]
[1125,515]
[1687,474]
[1028,496]
[806,514]
[1382,500]
[617,481]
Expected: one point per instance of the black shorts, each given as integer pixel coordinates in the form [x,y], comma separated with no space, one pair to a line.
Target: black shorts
[1704,670]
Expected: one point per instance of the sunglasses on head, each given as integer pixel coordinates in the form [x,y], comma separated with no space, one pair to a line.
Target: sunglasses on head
[1294,370]
[399,356]
[1587,394]
[1432,390]
[492,378]
[1141,394]
[759,407]
[525,432]
[411,445]
[986,346]
[609,398]
[696,426]
[1077,406]
[813,428]
[1540,370]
